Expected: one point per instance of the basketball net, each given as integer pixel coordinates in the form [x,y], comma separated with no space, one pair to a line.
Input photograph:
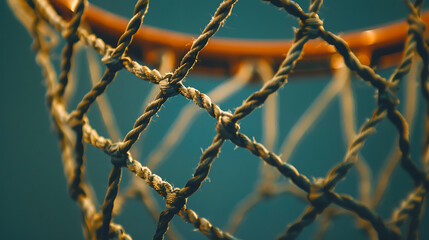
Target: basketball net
[75,132]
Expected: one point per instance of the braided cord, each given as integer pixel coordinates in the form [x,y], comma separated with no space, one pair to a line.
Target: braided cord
[340,170]
[166,190]
[71,37]
[179,200]
[188,61]
[142,122]
[107,207]
[365,213]
[279,79]
[86,204]
[112,61]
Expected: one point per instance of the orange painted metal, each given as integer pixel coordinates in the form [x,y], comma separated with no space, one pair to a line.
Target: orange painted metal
[380,47]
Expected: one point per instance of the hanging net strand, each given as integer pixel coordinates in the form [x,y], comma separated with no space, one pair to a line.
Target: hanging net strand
[74,130]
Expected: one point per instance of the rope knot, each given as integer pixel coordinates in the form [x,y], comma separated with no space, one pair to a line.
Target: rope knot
[417,26]
[113,63]
[312,25]
[225,127]
[317,195]
[117,157]
[387,97]
[168,89]
[175,200]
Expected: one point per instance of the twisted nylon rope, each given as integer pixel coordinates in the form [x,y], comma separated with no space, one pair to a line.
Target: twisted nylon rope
[69,34]
[189,60]
[107,207]
[113,65]
[179,199]
[280,78]
[164,189]
[340,170]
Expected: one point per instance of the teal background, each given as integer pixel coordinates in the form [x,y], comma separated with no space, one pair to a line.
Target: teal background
[34,201]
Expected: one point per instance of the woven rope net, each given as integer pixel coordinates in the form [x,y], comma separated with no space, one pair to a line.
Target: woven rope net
[75,132]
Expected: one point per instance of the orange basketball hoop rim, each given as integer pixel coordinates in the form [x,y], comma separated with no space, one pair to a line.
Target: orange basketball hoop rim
[380,46]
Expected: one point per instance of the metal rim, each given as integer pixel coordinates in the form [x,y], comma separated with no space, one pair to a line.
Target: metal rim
[381,47]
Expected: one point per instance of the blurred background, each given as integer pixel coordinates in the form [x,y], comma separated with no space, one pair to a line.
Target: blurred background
[35,203]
